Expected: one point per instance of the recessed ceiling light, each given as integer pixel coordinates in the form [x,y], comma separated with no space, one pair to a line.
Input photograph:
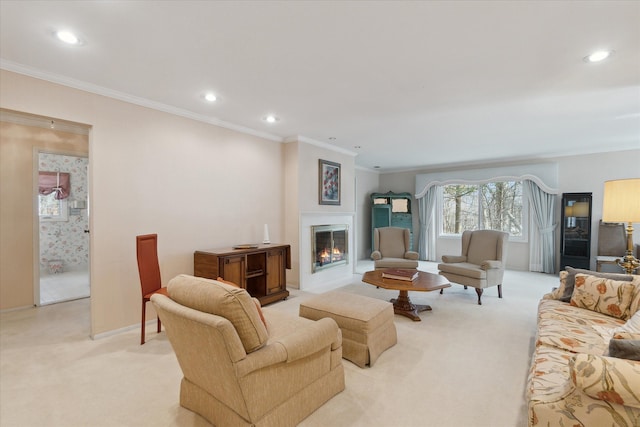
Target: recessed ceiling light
[357,147]
[271,118]
[210,97]
[598,56]
[332,138]
[376,167]
[67,37]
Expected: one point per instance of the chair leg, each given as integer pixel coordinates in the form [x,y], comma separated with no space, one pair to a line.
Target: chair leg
[441,291]
[479,292]
[499,291]
[159,325]
[144,306]
[465,286]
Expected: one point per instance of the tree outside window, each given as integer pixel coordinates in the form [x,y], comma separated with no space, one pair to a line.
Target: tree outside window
[494,206]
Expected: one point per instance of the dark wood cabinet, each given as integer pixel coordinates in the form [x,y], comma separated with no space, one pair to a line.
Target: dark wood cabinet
[259,270]
[575,233]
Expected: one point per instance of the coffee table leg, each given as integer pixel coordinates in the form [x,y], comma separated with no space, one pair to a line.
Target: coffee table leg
[403,306]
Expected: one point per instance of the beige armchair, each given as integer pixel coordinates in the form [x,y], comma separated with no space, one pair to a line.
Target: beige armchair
[392,248]
[239,371]
[482,262]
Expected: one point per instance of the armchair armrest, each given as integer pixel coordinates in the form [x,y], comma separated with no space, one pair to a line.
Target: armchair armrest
[321,334]
[487,265]
[307,341]
[376,255]
[454,258]
[607,378]
[411,255]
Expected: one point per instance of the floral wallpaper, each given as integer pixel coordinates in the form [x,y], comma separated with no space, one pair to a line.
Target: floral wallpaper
[66,241]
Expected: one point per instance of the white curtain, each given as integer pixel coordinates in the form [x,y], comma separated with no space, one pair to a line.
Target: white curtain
[426,235]
[542,253]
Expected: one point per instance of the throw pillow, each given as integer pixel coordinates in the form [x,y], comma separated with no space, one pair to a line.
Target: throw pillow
[232,303]
[624,349]
[606,296]
[220,279]
[570,280]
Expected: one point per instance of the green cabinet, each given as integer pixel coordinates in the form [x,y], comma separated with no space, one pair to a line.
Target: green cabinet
[391,210]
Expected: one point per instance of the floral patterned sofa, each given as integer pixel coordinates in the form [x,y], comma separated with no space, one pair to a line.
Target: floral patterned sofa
[585,369]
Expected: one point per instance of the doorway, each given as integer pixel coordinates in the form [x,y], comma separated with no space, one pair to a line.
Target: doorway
[63,226]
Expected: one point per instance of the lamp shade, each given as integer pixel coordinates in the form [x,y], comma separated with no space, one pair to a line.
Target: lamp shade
[621,202]
[581,209]
[568,211]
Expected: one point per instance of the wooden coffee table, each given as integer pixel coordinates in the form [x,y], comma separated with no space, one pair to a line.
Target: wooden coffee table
[425,282]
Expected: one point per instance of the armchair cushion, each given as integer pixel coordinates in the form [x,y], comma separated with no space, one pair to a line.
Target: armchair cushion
[234,304]
[607,378]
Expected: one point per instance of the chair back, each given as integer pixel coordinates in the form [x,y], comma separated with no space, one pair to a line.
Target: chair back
[483,245]
[148,266]
[392,242]
[612,239]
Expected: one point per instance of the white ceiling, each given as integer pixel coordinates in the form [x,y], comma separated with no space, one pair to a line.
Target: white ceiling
[414,84]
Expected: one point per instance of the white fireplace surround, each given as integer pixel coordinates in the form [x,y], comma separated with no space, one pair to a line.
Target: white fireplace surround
[335,276]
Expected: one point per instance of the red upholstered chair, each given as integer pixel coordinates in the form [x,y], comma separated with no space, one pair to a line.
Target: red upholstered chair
[149,269]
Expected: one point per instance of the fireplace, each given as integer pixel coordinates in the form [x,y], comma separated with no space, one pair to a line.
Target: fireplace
[330,246]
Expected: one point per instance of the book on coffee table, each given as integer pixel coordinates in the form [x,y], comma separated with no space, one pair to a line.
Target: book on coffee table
[400,274]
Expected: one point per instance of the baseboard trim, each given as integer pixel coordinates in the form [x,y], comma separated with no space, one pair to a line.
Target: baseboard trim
[113,332]
[24,307]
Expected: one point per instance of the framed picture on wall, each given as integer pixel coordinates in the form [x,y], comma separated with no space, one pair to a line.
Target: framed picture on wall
[328,183]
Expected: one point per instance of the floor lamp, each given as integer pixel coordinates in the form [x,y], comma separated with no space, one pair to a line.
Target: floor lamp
[622,204]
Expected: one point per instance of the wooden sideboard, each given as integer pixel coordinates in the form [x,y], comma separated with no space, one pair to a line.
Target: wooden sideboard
[260,270]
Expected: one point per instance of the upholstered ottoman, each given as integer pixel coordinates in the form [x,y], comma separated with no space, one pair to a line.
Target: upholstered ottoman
[366,323]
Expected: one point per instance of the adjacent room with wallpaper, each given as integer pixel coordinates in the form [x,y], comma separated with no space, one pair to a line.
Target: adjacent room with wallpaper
[387,213]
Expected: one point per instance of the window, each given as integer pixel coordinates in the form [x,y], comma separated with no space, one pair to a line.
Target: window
[52,209]
[494,205]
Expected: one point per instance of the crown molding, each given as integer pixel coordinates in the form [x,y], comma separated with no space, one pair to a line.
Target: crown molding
[307,140]
[33,120]
[121,96]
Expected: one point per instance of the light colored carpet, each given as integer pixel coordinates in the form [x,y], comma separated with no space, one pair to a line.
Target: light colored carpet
[462,365]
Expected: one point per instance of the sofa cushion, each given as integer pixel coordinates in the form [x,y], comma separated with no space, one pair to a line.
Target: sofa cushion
[570,279]
[611,297]
[234,304]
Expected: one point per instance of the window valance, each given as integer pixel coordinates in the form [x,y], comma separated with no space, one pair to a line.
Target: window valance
[54,182]
[545,175]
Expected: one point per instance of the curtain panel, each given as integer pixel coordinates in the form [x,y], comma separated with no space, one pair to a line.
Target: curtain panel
[54,182]
[426,236]
[542,254]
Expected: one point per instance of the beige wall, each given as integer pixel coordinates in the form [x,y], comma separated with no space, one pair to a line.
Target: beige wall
[367,182]
[198,186]
[19,145]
